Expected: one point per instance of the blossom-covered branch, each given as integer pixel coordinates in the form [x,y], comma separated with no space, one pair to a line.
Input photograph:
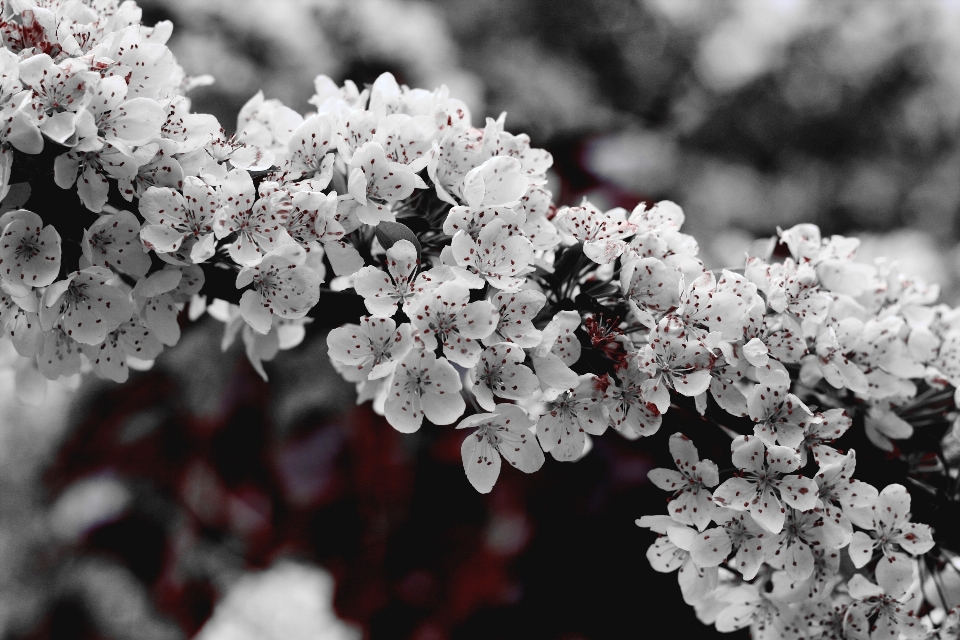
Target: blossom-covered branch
[460,294]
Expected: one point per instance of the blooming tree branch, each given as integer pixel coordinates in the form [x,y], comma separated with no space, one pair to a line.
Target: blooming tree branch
[434,251]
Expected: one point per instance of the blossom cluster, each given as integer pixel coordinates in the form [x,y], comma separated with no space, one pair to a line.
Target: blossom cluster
[552,324]
[787,555]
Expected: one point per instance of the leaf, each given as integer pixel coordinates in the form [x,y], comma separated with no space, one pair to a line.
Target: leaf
[389,233]
[567,261]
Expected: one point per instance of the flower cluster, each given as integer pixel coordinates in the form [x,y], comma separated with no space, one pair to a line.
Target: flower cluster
[551,324]
[775,551]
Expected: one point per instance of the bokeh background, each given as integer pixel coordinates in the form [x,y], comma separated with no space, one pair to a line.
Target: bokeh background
[197,500]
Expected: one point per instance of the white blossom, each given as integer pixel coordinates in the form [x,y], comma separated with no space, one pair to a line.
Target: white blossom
[29,252]
[496,256]
[283,286]
[504,432]
[602,234]
[692,502]
[374,346]
[113,241]
[258,223]
[456,323]
[173,217]
[500,372]
[569,417]
[376,182]
[766,483]
[85,305]
[888,522]
[423,385]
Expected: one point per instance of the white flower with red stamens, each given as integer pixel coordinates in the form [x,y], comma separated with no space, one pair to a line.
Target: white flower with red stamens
[374,346]
[283,286]
[603,234]
[504,432]
[692,502]
[259,224]
[376,183]
[570,416]
[457,323]
[422,385]
[85,305]
[767,479]
[29,252]
[500,372]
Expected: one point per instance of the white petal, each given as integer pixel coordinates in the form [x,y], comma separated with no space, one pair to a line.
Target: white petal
[481,462]
[256,314]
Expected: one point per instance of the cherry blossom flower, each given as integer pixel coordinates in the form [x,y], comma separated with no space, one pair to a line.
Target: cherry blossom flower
[748,606]
[259,224]
[498,182]
[377,183]
[59,355]
[558,349]
[159,299]
[457,323]
[652,289]
[823,428]
[474,220]
[631,413]
[660,226]
[765,481]
[888,521]
[880,611]
[726,382]
[190,132]
[461,149]
[163,170]
[19,130]
[790,288]
[517,311]
[113,241]
[737,530]
[91,172]
[500,372]
[173,217]
[314,218]
[602,234]
[85,305]
[718,305]
[496,256]
[29,252]
[423,385]
[268,124]
[571,415]
[536,205]
[308,156]
[779,415]
[815,588]
[407,139]
[671,552]
[374,346]
[20,321]
[504,432]
[401,282]
[283,286]
[692,502]
[118,126]
[674,361]
[833,343]
[839,492]
[60,91]
[130,340]
[792,549]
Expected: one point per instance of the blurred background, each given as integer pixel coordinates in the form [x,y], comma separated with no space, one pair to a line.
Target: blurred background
[197,500]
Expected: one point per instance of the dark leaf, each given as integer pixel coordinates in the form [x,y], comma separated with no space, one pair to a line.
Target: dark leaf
[390,233]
